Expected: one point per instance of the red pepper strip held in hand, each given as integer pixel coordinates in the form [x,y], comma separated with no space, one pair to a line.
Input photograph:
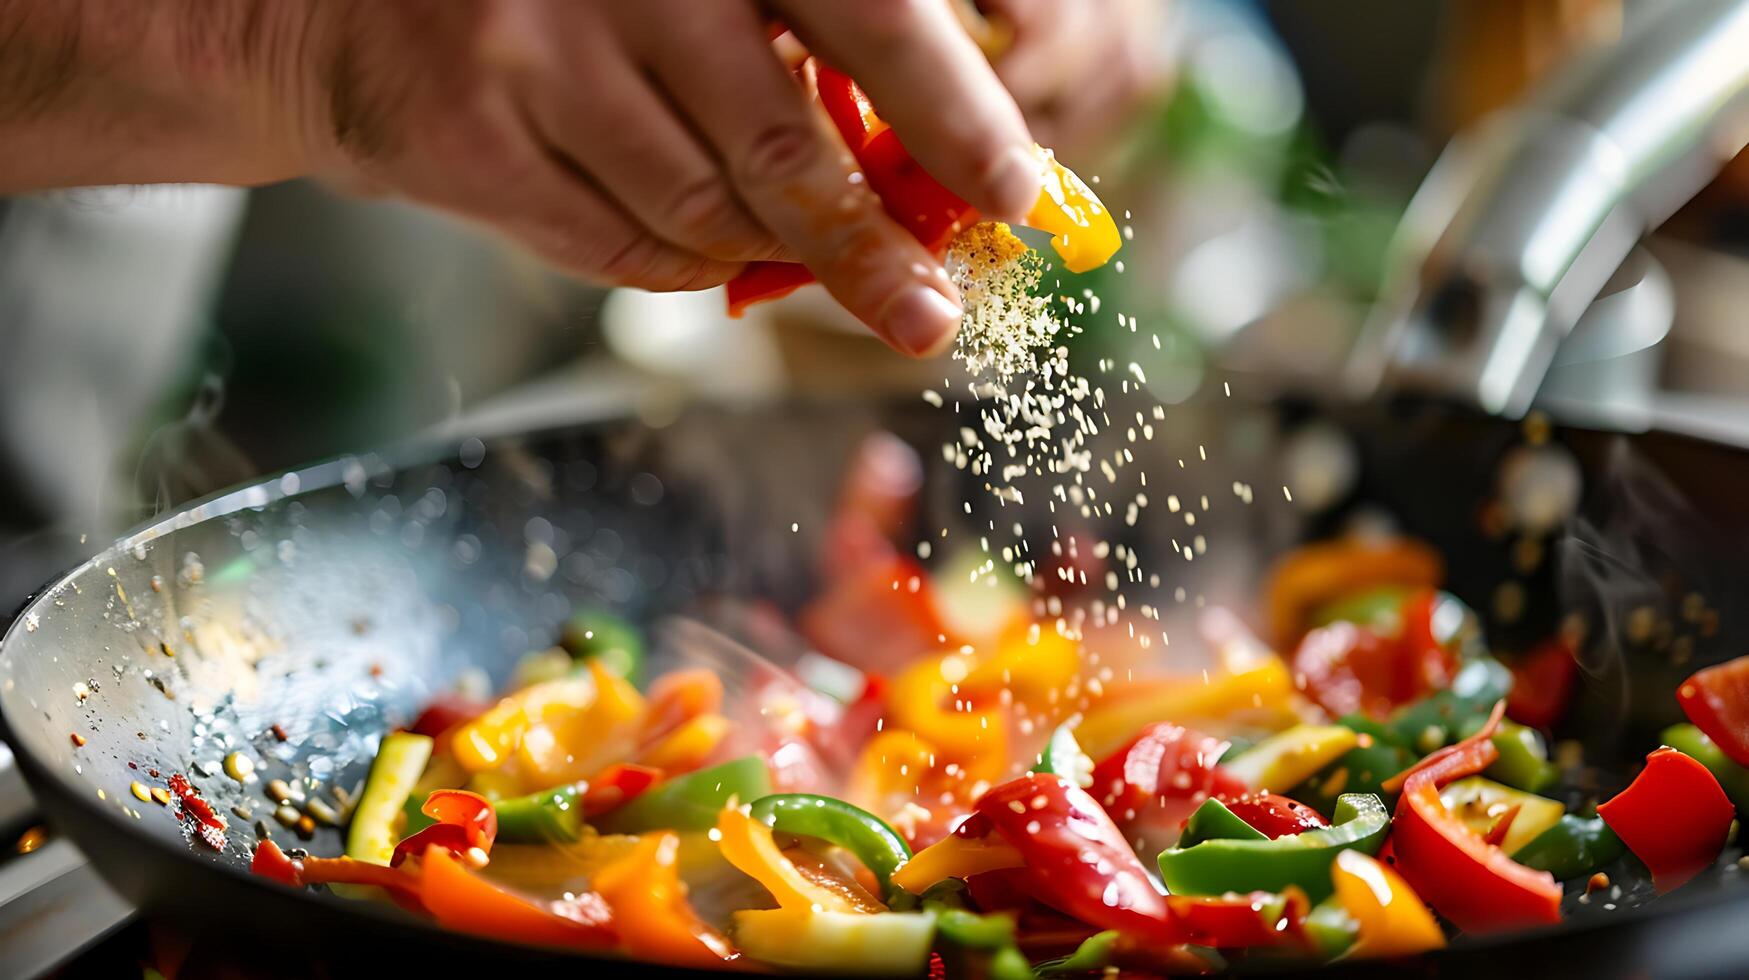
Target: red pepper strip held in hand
[1717,701]
[1674,816]
[1467,880]
[913,198]
[465,821]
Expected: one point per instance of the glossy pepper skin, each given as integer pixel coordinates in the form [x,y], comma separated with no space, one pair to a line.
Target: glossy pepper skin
[1083,232]
[1692,742]
[1162,776]
[1467,880]
[558,814]
[1067,842]
[464,822]
[690,802]
[1302,860]
[1390,919]
[1716,699]
[1674,816]
[1574,847]
[878,846]
[650,910]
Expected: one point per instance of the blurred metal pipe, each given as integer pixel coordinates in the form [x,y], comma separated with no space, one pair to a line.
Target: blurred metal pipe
[1523,220]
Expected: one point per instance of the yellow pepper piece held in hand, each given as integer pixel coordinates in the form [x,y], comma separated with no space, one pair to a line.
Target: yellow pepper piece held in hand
[1082,230]
[1393,920]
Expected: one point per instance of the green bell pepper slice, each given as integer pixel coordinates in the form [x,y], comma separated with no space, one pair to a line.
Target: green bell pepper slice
[1572,848]
[978,945]
[1215,867]
[1693,742]
[1524,759]
[551,815]
[614,640]
[692,801]
[1063,757]
[1435,720]
[878,846]
[1216,823]
[1331,929]
[1093,955]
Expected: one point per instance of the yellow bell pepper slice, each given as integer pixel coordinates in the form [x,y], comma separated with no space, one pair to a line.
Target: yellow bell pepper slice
[567,744]
[1030,665]
[687,747]
[650,910]
[1284,760]
[1392,919]
[488,741]
[1082,231]
[1261,696]
[924,701]
[749,846]
[956,857]
[1480,803]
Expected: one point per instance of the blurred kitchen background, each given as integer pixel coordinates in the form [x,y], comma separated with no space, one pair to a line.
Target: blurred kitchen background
[157,344]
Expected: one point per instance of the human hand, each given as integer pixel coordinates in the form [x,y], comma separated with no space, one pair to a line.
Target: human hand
[1081,69]
[662,143]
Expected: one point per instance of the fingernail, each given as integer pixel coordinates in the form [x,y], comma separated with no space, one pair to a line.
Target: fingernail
[919,320]
[1014,182]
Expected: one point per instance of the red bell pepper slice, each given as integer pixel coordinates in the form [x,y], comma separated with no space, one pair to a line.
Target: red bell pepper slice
[618,785]
[848,106]
[271,862]
[1674,816]
[1466,879]
[1077,861]
[877,618]
[1242,921]
[1153,784]
[1542,685]
[910,195]
[465,821]
[1717,701]
[1275,816]
[1349,668]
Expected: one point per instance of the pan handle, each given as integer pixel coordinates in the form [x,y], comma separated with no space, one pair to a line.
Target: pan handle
[1524,219]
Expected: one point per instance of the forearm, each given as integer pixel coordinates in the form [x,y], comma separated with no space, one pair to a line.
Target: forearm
[144,91]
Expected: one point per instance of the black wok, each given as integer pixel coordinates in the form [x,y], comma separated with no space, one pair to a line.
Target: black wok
[333,601]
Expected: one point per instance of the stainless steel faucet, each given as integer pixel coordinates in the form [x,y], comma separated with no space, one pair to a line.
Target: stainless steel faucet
[1524,219]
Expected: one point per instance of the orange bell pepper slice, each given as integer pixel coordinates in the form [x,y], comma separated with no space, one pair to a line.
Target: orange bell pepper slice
[649,905]
[461,900]
[748,845]
[1313,575]
[1392,919]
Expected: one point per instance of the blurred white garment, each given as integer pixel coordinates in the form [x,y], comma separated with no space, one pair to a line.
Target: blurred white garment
[103,293]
